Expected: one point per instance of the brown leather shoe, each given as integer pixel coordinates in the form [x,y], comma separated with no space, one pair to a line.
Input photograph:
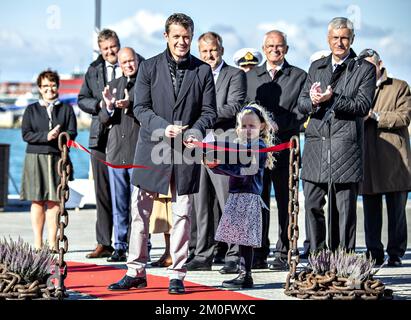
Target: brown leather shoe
[100,252]
[164,261]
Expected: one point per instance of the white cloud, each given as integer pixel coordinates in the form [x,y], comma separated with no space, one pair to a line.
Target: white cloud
[390,44]
[299,41]
[232,41]
[291,30]
[12,39]
[25,56]
[143,24]
[142,31]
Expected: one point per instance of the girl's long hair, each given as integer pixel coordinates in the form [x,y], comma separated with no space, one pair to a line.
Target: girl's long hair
[267,134]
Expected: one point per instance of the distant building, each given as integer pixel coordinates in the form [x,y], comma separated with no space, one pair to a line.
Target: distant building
[16,89]
[68,86]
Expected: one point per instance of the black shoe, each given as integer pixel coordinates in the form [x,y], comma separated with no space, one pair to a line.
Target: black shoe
[118,256]
[260,264]
[229,268]
[219,260]
[195,265]
[176,286]
[127,283]
[243,281]
[377,256]
[279,264]
[394,262]
[191,256]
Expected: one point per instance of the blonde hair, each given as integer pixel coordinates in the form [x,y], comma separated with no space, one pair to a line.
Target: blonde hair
[266,134]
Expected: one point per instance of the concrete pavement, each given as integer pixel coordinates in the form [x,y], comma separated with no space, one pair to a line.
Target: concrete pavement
[15,222]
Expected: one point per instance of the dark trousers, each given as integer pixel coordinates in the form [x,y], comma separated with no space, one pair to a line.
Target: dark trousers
[208,206]
[246,258]
[279,178]
[306,243]
[104,224]
[397,224]
[121,188]
[342,218]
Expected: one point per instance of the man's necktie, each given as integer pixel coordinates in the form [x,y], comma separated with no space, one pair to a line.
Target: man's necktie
[272,73]
[339,69]
[110,73]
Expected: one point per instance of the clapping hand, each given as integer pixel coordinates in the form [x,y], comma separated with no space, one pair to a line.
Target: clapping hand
[109,97]
[317,96]
[123,103]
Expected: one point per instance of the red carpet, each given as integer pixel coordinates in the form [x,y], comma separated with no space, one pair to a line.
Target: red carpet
[93,280]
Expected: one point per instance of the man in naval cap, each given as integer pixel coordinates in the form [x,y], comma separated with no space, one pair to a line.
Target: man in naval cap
[247,58]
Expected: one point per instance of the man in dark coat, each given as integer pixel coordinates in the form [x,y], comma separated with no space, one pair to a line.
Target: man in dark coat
[276,86]
[387,165]
[104,69]
[337,95]
[174,103]
[117,115]
[231,90]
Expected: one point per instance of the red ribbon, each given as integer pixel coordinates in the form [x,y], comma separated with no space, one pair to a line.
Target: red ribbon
[74,144]
[277,148]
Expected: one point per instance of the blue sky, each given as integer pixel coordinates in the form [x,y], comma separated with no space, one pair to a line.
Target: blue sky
[58,34]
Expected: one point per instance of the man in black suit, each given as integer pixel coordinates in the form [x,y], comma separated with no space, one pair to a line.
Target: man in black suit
[175,103]
[276,85]
[231,90]
[104,69]
[117,115]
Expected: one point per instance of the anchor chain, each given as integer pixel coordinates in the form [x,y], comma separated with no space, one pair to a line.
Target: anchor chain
[293,208]
[308,285]
[64,171]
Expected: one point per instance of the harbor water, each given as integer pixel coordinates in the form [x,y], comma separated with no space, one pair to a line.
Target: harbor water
[17,153]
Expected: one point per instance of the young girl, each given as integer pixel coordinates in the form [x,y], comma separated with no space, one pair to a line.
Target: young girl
[241,222]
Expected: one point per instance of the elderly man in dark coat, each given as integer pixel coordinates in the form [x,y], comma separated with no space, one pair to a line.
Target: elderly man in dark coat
[174,94]
[387,165]
[338,93]
[117,115]
[276,85]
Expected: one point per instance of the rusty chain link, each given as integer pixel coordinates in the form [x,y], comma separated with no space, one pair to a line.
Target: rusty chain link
[64,171]
[11,287]
[293,208]
[308,285]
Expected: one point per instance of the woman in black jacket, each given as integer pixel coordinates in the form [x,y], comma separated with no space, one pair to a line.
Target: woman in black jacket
[42,123]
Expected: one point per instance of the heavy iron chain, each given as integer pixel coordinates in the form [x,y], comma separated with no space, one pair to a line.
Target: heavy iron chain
[330,286]
[293,208]
[11,287]
[309,285]
[10,283]
[64,171]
